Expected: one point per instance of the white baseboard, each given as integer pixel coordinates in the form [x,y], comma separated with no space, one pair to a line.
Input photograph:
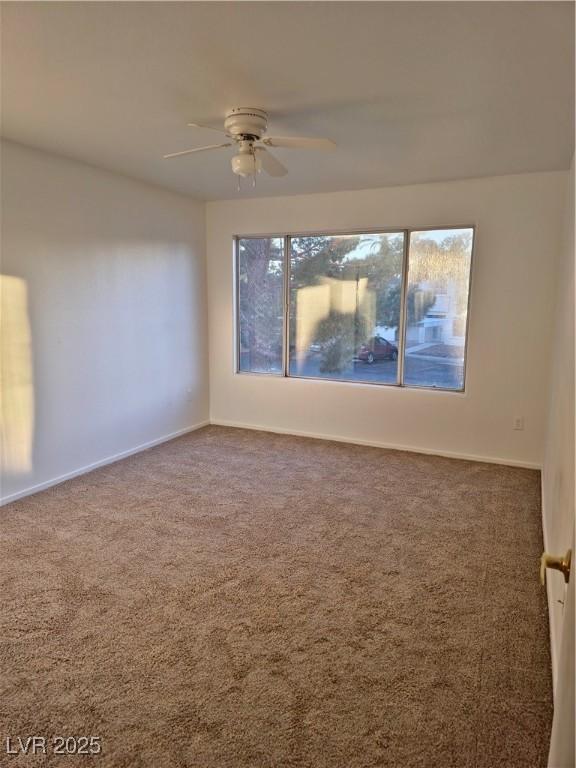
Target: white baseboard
[260,428]
[95,465]
[378,444]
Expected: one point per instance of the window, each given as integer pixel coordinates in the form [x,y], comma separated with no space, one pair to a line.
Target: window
[437,308]
[261,304]
[377,307]
[345,306]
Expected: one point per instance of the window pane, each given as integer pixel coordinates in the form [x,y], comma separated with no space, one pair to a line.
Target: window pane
[345,294]
[260,304]
[437,307]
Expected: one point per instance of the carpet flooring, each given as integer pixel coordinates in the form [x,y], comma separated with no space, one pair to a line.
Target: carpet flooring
[249,600]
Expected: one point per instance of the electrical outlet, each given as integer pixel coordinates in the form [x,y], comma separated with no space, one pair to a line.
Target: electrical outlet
[518,423]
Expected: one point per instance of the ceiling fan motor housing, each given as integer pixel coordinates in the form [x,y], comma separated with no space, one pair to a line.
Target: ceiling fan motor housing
[246,121]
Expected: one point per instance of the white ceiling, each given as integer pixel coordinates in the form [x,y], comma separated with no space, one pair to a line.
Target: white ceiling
[411,92]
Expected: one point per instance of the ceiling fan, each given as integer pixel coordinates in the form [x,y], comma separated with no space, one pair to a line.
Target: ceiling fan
[246,127]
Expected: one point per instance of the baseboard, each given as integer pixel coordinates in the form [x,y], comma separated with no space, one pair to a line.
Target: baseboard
[95,465]
[259,428]
[378,444]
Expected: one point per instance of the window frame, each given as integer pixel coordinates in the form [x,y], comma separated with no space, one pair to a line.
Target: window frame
[286,238]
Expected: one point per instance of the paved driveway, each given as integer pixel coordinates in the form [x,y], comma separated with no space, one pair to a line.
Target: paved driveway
[419,370]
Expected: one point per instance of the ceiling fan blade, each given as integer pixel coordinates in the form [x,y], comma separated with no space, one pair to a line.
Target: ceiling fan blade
[298,142]
[197,149]
[270,164]
[209,127]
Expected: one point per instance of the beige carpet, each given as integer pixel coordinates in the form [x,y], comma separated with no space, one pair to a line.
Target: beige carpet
[236,598]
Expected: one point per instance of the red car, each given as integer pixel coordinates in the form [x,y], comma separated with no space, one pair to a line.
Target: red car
[377,348]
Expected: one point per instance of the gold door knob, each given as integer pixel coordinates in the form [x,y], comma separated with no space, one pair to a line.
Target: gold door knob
[558,563]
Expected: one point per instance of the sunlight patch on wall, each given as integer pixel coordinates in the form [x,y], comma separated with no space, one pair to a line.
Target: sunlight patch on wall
[16,379]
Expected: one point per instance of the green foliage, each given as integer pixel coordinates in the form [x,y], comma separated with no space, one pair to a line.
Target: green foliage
[388,305]
[436,262]
[260,274]
[318,256]
[340,335]
[418,302]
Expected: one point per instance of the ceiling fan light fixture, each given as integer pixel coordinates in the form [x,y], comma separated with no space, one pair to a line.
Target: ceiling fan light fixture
[246,128]
[246,164]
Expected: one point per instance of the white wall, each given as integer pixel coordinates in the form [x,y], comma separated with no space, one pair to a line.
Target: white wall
[517,243]
[558,472]
[103,320]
